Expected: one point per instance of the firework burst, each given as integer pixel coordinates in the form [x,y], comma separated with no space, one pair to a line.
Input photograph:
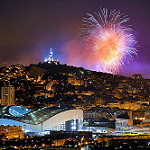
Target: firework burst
[108,39]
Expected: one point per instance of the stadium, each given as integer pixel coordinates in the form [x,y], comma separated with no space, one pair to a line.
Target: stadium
[43,119]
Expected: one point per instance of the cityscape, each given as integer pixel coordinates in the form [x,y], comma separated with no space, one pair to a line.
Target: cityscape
[39,100]
[92,94]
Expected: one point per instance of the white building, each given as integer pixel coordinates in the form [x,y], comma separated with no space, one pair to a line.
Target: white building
[43,119]
[122,125]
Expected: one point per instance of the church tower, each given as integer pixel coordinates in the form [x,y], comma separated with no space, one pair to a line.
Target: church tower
[50,58]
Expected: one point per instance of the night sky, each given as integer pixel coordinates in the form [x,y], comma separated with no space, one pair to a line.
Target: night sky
[28,29]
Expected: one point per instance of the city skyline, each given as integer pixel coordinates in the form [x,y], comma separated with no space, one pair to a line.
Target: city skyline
[29,29]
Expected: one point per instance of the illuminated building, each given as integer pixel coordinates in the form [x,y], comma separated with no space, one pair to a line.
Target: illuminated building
[123,125]
[75,81]
[7,95]
[50,59]
[43,119]
[11,132]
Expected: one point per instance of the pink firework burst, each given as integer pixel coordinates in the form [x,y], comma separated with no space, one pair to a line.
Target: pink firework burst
[108,39]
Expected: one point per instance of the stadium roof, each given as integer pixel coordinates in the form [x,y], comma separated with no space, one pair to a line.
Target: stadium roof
[31,117]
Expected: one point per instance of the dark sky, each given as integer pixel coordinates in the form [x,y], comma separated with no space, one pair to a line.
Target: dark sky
[28,28]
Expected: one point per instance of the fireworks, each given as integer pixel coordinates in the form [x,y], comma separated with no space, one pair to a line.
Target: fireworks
[108,39]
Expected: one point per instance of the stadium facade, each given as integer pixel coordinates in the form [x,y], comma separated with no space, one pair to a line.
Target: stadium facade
[43,119]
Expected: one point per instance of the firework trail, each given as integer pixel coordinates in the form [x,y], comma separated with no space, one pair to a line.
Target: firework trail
[108,39]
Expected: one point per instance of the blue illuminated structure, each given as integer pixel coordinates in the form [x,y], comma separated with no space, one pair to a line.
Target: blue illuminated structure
[46,118]
[18,110]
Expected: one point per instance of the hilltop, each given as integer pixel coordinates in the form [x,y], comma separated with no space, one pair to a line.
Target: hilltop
[46,83]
